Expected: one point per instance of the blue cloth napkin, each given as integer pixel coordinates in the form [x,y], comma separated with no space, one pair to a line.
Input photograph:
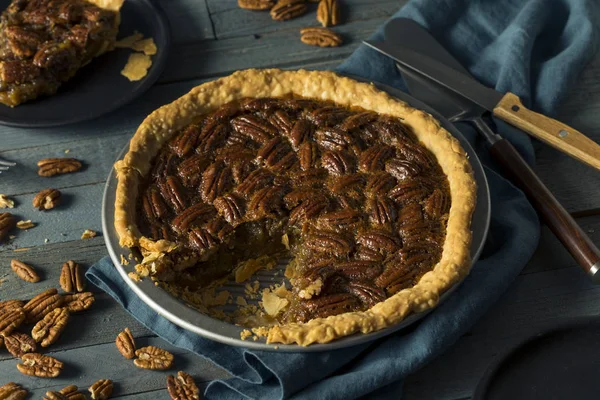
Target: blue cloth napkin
[535,49]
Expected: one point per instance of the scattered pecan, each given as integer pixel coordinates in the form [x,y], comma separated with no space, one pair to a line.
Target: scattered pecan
[101,389]
[78,301]
[46,199]
[10,319]
[328,13]
[55,166]
[151,357]
[52,395]
[321,37]
[7,223]
[24,225]
[182,387]
[288,9]
[10,304]
[256,4]
[71,279]
[12,391]
[36,308]
[88,234]
[72,392]
[35,364]
[50,327]
[24,271]
[18,343]
[5,202]
[126,344]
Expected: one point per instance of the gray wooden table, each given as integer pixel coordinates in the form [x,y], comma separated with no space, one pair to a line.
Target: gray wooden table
[213,38]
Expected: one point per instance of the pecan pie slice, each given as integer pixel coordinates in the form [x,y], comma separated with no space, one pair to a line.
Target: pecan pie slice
[371,198]
[43,43]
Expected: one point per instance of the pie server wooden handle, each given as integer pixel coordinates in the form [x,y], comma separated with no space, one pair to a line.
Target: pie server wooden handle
[548,130]
[566,229]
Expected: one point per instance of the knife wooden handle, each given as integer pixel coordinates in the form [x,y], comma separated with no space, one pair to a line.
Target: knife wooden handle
[575,240]
[551,131]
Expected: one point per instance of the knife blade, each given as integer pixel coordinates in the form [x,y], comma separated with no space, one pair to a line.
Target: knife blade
[507,107]
[408,33]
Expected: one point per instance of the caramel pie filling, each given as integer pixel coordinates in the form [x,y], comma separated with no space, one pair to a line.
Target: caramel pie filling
[44,42]
[360,203]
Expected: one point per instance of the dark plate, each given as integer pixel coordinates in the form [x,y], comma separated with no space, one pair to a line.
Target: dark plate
[560,361]
[179,313]
[99,87]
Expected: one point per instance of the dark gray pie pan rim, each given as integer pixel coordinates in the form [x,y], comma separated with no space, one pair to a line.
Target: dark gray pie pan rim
[176,311]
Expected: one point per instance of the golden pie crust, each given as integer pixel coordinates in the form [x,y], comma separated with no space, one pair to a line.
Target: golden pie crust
[160,126]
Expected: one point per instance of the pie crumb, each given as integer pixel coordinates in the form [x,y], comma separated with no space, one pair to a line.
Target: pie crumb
[124,260]
[46,240]
[285,240]
[272,303]
[147,46]
[249,267]
[5,202]
[88,234]
[67,151]
[311,290]
[25,224]
[136,67]
[11,237]
[134,276]
[261,331]
[245,334]
[240,301]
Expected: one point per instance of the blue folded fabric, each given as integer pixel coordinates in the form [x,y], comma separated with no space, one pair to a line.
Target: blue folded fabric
[535,49]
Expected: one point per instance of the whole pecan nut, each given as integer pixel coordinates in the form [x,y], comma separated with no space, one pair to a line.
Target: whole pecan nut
[35,364]
[7,223]
[36,308]
[18,343]
[11,319]
[70,277]
[50,327]
[288,9]
[12,391]
[182,387]
[126,344]
[101,389]
[24,271]
[54,166]
[321,37]
[151,357]
[78,301]
[256,4]
[46,199]
[9,304]
[328,12]
[72,392]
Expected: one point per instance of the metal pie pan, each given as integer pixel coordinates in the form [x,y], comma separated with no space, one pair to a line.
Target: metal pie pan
[178,312]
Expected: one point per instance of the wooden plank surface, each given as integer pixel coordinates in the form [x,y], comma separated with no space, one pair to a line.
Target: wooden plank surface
[212,38]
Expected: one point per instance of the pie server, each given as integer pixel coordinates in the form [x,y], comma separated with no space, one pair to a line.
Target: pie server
[436,78]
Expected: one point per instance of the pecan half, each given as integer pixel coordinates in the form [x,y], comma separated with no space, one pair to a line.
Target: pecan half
[308,209]
[24,271]
[52,395]
[273,151]
[256,4]
[12,391]
[308,154]
[72,392]
[358,269]
[288,9]
[397,277]
[55,166]
[267,202]
[185,142]
[337,162]
[437,204]
[101,389]
[380,183]
[369,295]
[409,191]
[70,277]
[216,179]
[10,304]
[333,138]
[402,169]
[328,13]
[332,304]
[78,301]
[35,364]
[321,37]
[192,216]
[212,136]
[256,180]
[379,240]
[11,319]
[190,170]
[347,183]
[36,308]
[50,327]
[301,132]
[254,127]
[153,205]
[374,158]
[151,357]
[182,387]
[18,343]
[200,239]
[7,223]
[358,120]
[126,344]
[173,193]
[219,228]
[46,199]
[231,207]
[281,120]
[340,219]
[329,243]
[382,210]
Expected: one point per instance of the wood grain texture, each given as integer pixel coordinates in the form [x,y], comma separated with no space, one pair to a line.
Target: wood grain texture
[550,131]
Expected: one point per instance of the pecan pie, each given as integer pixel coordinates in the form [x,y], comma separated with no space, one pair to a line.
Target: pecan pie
[372,197]
[43,43]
